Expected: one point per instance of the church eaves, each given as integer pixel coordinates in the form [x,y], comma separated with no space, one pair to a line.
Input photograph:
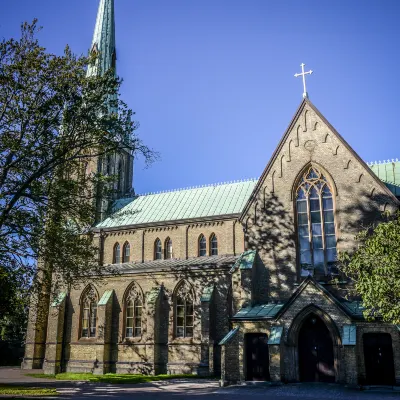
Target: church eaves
[104,39]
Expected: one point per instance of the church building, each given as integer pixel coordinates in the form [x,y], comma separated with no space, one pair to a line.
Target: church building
[236,280]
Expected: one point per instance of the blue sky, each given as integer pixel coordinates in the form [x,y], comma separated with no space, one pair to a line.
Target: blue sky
[212,82]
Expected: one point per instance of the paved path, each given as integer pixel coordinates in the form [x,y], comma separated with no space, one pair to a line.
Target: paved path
[182,389]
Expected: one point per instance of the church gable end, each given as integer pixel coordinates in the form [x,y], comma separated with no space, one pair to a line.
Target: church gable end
[356,196]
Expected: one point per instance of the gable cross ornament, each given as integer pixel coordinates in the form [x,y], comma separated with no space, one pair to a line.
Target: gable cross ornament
[303,74]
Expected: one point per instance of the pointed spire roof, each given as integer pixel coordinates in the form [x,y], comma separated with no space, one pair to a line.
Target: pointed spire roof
[104,39]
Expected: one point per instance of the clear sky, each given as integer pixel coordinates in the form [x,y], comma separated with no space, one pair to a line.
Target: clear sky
[212,81]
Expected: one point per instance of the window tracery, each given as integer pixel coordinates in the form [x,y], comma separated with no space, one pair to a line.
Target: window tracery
[89,313]
[184,311]
[315,224]
[133,312]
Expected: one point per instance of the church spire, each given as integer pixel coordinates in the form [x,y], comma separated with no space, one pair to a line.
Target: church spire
[104,39]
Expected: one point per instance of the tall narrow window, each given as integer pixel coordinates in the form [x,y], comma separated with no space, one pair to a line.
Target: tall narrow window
[157,250]
[213,245]
[184,312]
[134,306]
[168,248]
[89,313]
[120,177]
[117,254]
[126,253]
[316,224]
[202,246]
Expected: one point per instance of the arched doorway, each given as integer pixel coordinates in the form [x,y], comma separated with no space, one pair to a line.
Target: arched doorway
[257,357]
[378,357]
[315,346]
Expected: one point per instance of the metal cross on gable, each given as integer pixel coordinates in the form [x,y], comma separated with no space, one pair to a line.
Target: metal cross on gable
[303,74]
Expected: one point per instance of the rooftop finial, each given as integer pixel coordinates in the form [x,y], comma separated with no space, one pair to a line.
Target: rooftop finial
[303,74]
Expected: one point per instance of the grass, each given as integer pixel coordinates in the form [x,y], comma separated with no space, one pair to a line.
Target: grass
[22,391]
[112,378]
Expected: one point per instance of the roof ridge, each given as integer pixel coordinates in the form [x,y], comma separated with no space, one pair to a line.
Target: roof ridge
[382,162]
[198,187]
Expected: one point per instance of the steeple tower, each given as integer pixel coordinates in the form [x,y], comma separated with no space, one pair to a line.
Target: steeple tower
[104,39]
[118,164]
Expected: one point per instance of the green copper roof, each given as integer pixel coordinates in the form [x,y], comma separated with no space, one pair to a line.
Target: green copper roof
[106,297]
[245,260]
[231,334]
[199,202]
[389,173]
[260,311]
[104,39]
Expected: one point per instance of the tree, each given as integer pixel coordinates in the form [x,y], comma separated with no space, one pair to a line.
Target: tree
[56,124]
[374,268]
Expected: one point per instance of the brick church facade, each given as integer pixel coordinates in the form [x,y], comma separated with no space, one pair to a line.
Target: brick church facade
[236,280]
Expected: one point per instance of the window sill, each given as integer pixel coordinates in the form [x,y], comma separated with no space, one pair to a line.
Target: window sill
[131,340]
[88,340]
[184,340]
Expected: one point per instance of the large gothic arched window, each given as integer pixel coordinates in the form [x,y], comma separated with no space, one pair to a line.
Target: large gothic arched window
[133,312]
[316,224]
[89,313]
[184,311]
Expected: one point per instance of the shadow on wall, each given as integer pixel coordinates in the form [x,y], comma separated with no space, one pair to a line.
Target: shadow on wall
[270,231]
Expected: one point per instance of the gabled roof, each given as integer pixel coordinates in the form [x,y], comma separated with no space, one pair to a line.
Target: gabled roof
[187,204]
[353,309]
[389,173]
[267,169]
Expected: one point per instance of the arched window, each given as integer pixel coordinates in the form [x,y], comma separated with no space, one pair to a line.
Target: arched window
[316,224]
[117,254]
[157,250]
[109,165]
[133,312]
[213,245]
[184,311]
[202,246]
[126,252]
[89,313]
[168,248]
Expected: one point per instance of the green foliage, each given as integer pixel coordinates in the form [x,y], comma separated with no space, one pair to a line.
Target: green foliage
[375,269]
[11,390]
[56,125]
[113,378]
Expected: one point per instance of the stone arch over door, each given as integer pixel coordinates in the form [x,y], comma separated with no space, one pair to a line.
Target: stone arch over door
[293,340]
